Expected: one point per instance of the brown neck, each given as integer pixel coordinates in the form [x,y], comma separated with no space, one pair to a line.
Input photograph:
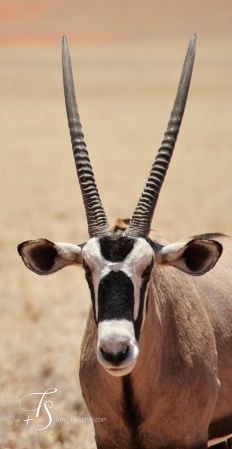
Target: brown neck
[176,360]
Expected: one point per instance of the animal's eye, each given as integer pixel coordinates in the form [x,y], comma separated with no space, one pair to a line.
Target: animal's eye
[87,269]
[146,273]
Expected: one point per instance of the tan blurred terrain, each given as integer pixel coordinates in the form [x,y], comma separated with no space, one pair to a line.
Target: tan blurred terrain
[127,58]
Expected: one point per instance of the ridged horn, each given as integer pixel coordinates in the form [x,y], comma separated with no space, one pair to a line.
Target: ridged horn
[142,217]
[96,217]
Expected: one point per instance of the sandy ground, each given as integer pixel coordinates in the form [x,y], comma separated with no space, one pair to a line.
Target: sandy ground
[125,89]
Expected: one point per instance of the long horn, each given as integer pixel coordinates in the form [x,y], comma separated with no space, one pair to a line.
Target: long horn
[141,220]
[96,217]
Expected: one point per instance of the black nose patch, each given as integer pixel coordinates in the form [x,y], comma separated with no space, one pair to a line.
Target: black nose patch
[115,297]
[115,359]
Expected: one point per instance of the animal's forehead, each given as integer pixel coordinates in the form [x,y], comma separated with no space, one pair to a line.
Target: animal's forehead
[117,251]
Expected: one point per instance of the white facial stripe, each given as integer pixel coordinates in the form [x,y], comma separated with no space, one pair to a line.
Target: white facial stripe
[133,266]
[145,304]
[137,285]
[95,261]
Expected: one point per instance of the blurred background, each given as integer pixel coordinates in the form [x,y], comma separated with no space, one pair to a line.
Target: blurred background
[127,59]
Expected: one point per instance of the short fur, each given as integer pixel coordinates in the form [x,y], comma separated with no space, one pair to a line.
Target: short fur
[181,384]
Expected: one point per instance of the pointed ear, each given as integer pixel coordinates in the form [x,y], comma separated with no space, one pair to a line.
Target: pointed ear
[195,257]
[44,257]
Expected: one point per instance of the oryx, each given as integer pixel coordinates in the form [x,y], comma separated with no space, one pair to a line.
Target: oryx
[157,351]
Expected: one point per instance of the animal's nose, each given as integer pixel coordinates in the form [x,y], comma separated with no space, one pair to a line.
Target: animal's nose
[115,359]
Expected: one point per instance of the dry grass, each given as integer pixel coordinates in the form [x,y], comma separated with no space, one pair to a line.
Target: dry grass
[125,92]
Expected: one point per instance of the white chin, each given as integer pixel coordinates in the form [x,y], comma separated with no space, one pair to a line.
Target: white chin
[119,372]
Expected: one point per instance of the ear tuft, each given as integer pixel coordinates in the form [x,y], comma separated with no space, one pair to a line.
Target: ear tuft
[121,224]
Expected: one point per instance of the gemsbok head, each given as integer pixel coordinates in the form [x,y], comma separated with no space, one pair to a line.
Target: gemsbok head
[151,326]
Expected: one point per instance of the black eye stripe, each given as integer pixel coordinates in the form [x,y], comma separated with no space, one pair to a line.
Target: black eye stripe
[139,320]
[92,293]
[147,272]
[87,269]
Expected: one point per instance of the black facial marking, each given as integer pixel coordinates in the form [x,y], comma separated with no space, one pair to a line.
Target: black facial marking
[115,359]
[116,248]
[89,278]
[145,279]
[147,272]
[115,297]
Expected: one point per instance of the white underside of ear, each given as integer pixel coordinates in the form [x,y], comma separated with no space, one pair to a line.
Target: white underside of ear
[169,254]
[70,252]
[195,257]
[45,257]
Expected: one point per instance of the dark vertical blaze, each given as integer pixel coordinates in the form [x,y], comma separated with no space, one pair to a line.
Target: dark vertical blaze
[138,322]
[131,412]
[115,297]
